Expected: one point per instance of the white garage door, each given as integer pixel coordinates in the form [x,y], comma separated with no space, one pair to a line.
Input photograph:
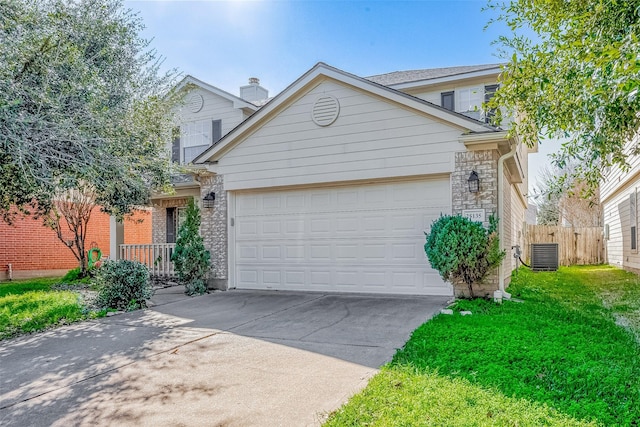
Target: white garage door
[365,238]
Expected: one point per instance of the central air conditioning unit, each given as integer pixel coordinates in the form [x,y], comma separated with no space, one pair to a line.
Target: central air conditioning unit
[544,256]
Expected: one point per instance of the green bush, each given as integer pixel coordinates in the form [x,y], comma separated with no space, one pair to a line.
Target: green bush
[123,285]
[190,258]
[463,251]
[72,275]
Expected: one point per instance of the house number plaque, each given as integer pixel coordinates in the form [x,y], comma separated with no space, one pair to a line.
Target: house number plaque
[478,215]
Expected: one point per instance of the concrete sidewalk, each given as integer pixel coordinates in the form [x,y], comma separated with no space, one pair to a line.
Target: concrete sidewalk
[233,358]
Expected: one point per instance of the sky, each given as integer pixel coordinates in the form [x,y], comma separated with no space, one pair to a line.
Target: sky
[225,42]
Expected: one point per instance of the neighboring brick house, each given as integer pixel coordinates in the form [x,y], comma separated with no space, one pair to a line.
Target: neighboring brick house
[331,185]
[34,250]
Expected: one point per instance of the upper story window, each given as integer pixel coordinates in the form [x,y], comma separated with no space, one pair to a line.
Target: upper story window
[195,137]
[447,100]
[470,101]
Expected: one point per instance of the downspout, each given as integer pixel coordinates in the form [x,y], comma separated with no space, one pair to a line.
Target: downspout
[501,160]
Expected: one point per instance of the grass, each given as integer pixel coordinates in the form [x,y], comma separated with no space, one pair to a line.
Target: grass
[33,305]
[566,356]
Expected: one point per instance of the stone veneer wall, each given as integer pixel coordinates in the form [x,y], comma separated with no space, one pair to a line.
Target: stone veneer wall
[214,230]
[159,222]
[485,163]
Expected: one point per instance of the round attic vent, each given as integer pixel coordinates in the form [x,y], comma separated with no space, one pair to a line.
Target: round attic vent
[325,110]
[195,102]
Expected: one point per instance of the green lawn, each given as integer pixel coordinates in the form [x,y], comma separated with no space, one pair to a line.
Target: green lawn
[32,305]
[559,358]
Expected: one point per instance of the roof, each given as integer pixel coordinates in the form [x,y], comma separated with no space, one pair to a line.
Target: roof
[399,77]
[237,102]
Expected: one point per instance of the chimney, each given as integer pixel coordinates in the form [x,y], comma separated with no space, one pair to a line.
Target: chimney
[253,91]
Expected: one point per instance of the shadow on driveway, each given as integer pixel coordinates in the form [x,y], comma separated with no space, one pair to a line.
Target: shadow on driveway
[229,358]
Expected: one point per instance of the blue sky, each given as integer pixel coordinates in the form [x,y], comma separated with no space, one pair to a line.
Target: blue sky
[226,42]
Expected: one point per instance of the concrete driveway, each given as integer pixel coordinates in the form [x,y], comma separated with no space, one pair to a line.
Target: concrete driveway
[234,358]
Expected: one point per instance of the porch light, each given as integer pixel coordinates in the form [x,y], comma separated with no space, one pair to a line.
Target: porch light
[474,182]
[207,201]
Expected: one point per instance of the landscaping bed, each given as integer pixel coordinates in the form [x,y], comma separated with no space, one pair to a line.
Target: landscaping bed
[568,354]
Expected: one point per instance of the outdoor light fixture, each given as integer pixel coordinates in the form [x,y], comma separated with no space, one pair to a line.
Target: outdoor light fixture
[474,182]
[207,201]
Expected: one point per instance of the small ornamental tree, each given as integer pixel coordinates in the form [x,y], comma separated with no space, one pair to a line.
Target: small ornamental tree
[463,251]
[190,258]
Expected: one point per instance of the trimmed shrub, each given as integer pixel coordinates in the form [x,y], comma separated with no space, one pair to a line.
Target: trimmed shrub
[463,251]
[190,258]
[123,285]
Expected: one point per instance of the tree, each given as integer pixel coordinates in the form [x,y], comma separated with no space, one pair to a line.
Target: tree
[573,72]
[82,102]
[190,258]
[463,251]
[562,199]
[69,217]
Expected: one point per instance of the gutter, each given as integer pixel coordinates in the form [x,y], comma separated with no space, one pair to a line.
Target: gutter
[501,275]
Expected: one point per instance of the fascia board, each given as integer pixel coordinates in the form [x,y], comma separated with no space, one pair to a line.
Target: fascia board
[237,102]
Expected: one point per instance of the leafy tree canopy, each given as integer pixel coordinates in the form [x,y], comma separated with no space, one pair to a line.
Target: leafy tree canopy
[82,102]
[574,72]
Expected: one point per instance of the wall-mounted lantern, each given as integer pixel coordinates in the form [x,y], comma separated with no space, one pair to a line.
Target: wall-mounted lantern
[474,182]
[208,200]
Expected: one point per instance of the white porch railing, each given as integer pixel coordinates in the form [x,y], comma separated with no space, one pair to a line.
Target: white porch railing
[156,256]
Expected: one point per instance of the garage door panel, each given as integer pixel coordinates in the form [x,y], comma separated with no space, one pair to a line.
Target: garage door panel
[366,238]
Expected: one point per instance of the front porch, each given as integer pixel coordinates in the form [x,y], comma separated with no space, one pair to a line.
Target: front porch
[156,256]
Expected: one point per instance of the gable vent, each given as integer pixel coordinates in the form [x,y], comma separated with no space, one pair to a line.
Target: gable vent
[325,110]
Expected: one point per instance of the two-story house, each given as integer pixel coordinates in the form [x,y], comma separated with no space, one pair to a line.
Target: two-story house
[331,184]
[206,114]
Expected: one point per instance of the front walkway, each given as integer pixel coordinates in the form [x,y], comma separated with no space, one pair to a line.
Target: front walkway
[232,358]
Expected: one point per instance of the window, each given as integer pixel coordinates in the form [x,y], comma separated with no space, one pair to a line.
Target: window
[447,100]
[175,219]
[198,136]
[470,99]
[171,225]
[633,221]
[489,92]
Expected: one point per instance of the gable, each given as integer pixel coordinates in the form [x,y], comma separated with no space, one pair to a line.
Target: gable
[201,104]
[372,138]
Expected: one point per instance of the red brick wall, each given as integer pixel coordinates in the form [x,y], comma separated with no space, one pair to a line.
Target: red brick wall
[137,228]
[31,247]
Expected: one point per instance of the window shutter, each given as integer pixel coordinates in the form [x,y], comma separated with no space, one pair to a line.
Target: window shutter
[175,146]
[447,100]
[216,131]
[489,92]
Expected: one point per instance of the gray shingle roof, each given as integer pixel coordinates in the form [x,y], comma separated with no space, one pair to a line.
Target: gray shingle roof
[398,77]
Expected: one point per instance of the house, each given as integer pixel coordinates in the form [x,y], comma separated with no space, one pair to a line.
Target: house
[619,199]
[330,185]
[30,249]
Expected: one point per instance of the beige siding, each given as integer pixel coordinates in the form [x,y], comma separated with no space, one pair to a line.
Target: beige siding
[615,178]
[614,193]
[473,89]
[214,108]
[617,217]
[370,139]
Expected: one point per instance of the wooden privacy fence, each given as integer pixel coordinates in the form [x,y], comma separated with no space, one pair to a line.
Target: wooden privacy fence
[576,246]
